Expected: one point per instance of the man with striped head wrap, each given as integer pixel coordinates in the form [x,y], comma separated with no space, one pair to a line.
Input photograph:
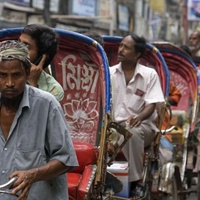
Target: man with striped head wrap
[14,71]
[35,144]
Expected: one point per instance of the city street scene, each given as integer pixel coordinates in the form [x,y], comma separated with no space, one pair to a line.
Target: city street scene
[100,99]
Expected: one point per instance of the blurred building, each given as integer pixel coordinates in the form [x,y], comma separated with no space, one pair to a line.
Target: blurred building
[153,19]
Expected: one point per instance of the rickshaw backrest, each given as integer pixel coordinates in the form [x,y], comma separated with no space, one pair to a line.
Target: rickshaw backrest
[10,34]
[79,67]
[183,74]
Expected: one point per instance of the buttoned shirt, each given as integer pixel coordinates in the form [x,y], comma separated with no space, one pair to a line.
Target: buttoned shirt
[129,100]
[48,83]
[39,133]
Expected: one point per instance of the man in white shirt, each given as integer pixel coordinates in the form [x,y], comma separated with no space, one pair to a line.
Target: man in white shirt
[136,90]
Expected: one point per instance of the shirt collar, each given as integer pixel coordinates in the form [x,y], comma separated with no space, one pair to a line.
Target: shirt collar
[25,99]
[138,69]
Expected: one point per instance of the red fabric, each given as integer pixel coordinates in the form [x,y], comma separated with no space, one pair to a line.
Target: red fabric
[79,177]
[86,155]
[73,183]
[85,182]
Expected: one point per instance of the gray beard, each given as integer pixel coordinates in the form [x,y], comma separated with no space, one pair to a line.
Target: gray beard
[193,48]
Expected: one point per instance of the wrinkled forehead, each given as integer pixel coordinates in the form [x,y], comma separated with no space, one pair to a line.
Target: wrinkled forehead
[128,41]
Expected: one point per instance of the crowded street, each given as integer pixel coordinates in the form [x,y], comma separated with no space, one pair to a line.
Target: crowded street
[100,100]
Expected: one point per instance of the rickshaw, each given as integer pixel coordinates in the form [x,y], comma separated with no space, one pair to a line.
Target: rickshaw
[81,67]
[183,74]
[152,58]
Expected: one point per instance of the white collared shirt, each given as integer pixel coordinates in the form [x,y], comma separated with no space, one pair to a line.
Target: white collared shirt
[129,100]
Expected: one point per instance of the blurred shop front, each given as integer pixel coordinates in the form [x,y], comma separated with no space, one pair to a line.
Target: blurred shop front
[107,17]
[149,18]
[12,15]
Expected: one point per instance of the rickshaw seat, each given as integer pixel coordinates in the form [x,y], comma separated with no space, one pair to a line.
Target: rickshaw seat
[80,178]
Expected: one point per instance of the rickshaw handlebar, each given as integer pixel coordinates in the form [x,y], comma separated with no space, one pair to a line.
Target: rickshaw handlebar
[168,130]
[8,184]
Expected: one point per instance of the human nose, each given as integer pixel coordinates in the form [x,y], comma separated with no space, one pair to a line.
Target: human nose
[120,49]
[9,82]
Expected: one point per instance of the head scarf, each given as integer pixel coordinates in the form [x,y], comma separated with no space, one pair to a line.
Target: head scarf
[14,50]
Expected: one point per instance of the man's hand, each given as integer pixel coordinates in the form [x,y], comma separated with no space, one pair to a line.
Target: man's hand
[134,121]
[35,72]
[24,181]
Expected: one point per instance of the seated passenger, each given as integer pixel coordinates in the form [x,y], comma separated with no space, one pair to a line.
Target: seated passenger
[173,99]
[42,43]
[136,90]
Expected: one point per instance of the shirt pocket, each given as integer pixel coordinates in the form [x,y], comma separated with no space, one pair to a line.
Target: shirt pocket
[29,159]
[135,103]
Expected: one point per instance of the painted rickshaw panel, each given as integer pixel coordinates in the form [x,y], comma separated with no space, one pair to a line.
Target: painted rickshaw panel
[85,78]
[183,73]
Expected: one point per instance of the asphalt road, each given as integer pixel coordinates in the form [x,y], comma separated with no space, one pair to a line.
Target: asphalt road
[193,195]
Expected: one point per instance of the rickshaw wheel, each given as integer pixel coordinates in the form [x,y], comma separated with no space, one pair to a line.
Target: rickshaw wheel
[175,193]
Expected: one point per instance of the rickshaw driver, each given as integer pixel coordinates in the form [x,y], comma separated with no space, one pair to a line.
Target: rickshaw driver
[35,144]
[136,90]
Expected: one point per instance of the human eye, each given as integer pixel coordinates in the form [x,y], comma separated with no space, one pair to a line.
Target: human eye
[2,75]
[16,75]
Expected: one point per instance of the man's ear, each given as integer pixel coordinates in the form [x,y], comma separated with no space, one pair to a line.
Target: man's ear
[138,54]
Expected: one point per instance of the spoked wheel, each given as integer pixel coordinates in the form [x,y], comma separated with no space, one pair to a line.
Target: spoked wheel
[175,193]
[176,183]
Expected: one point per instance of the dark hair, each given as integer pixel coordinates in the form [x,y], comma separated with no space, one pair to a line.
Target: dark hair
[46,40]
[140,43]
[94,36]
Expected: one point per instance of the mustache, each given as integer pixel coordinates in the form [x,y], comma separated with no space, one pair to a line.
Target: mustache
[9,89]
[120,54]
